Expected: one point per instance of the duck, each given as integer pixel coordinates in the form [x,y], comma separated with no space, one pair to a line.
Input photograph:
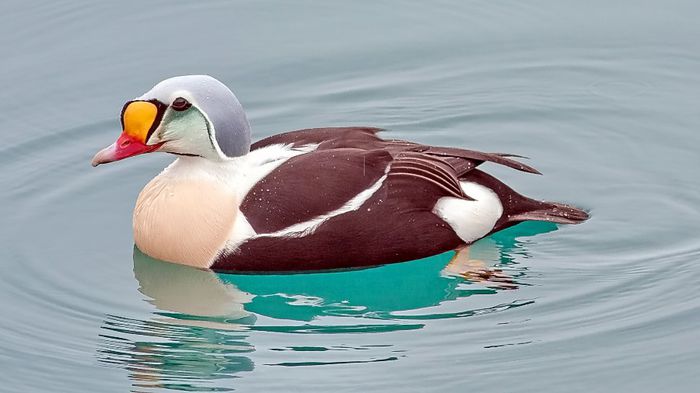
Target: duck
[314,199]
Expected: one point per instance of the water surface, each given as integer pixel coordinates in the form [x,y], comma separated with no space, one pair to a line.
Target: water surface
[603,98]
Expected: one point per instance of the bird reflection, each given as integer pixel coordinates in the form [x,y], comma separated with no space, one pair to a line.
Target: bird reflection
[163,355]
[187,291]
[198,336]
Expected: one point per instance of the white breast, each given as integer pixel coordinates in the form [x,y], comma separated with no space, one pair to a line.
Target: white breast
[186,221]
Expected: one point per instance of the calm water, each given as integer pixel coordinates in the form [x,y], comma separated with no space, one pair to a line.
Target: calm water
[605,99]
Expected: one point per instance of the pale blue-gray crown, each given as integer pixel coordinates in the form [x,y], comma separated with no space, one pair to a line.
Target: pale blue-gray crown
[231,130]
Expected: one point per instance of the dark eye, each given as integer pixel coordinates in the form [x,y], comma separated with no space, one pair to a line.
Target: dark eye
[180,104]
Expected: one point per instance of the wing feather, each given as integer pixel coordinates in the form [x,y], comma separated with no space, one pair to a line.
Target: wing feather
[480,157]
[426,168]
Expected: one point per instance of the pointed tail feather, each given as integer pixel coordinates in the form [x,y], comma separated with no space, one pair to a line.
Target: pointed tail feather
[552,212]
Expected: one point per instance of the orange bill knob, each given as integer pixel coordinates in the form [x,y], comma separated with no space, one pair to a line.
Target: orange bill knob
[138,118]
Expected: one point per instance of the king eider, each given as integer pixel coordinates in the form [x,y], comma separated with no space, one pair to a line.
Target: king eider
[306,200]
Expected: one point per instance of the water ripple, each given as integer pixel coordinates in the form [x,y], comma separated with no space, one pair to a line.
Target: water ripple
[607,114]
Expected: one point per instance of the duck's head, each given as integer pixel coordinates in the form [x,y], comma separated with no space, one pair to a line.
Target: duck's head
[193,115]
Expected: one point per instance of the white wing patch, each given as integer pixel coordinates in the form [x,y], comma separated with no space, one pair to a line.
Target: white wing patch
[471,220]
[240,232]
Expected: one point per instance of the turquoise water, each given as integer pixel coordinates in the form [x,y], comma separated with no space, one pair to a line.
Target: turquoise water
[603,97]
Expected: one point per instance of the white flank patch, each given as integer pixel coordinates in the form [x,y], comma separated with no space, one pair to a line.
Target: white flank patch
[308,227]
[240,232]
[471,220]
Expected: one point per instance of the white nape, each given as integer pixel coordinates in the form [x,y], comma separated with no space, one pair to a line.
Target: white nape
[471,220]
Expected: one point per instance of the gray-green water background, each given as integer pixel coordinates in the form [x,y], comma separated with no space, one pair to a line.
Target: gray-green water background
[603,96]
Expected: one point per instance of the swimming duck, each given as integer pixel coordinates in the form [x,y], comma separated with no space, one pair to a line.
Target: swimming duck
[306,200]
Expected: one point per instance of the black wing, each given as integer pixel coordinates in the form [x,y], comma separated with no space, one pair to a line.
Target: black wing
[365,138]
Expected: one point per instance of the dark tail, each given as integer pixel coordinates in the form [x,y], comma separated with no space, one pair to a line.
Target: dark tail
[548,211]
[518,208]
